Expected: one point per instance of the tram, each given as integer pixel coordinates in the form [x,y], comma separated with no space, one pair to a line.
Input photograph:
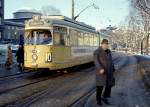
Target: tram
[58,42]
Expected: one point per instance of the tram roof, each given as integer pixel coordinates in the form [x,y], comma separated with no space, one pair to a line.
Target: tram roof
[63,20]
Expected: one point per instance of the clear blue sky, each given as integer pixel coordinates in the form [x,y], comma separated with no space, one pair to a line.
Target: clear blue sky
[111,12]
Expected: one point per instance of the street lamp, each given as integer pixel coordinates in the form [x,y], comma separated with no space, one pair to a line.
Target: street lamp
[92,5]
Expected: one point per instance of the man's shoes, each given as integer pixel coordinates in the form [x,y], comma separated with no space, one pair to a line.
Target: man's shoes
[99,102]
[105,100]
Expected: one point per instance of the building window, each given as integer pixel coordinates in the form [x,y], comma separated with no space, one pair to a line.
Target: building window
[8,27]
[13,28]
[9,35]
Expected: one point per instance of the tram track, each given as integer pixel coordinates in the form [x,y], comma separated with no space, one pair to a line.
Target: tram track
[27,78]
[83,98]
[11,86]
[25,102]
[25,87]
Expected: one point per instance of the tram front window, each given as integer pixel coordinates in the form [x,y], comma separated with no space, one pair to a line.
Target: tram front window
[38,37]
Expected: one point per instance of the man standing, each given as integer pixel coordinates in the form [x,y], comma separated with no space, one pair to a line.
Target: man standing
[104,72]
[20,57]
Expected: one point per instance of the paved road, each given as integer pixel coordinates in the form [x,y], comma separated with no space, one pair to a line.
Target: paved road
[129,90]
[60,91]
[64,90]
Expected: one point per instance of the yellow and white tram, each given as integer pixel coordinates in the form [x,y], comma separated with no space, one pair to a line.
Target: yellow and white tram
[58,42]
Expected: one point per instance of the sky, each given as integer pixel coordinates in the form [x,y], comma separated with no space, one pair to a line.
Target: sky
[110,12]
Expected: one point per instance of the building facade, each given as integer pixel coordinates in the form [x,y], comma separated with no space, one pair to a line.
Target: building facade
[13,32]
[14,28]
[1,19]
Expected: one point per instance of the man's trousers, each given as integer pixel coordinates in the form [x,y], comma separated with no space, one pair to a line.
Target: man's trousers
[106,93]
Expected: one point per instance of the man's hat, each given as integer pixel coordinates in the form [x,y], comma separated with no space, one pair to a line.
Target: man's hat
[104,41]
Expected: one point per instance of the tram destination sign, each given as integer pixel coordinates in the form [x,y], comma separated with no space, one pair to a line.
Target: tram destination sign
[36,23]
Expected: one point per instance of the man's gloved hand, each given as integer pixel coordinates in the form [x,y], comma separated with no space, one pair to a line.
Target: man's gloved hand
[101,71]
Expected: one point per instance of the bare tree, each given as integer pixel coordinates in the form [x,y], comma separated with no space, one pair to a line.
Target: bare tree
[143,6]
[138,24]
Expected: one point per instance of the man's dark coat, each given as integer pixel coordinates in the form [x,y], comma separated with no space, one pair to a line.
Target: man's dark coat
[103,60]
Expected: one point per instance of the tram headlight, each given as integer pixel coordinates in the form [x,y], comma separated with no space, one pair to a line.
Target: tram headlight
[49,57]
[34,57]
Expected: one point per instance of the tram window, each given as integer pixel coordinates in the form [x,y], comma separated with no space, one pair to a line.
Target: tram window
[80,39]
[86,39]
[29,38]
[62,40]
[73,37]
[60,35]
[56,38]
[96,40]
[47,38]
[59,39]
[39,37]
[67,40]
[91,39]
